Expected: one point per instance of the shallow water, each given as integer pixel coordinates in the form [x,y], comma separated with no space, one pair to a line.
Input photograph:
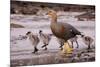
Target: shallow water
[21,49]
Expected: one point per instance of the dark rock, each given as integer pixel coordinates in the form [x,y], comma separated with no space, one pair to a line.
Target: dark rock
[12,25]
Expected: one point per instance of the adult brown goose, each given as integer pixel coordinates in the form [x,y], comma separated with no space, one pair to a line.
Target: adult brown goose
[62,30]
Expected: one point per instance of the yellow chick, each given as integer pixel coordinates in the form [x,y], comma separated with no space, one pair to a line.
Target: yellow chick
[67,49]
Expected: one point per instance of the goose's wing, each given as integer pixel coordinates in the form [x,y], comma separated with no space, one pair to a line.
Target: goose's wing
[70,28]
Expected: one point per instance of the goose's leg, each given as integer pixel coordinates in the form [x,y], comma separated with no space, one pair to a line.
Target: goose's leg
[77,44]
[61,45]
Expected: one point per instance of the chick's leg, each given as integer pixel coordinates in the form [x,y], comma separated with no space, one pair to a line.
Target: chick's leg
[77,44]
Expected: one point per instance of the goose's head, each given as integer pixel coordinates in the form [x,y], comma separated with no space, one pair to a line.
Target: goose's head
[52,14]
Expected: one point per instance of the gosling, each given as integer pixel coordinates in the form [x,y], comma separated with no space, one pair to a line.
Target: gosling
[87,40]
[34,40]
[45,39]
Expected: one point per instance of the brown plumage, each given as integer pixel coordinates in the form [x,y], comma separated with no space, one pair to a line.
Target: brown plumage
[62,30]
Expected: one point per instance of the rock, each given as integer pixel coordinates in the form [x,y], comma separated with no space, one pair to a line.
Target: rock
[12,25]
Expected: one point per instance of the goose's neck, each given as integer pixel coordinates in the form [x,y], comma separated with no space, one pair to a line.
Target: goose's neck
[54,19]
